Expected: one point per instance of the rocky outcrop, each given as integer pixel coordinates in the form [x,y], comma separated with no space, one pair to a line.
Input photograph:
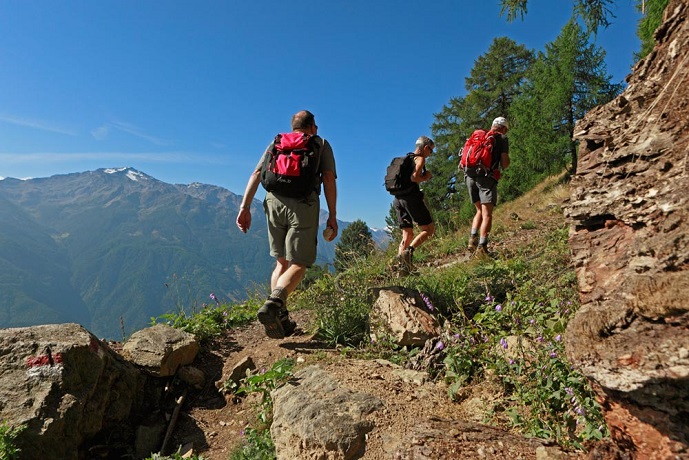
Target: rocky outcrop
[78,398]
[65,386]
[629,210]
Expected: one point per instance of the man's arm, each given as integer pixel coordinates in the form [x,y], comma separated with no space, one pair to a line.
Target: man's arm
[418,175]
[244,216]
[505,157]
[330,191]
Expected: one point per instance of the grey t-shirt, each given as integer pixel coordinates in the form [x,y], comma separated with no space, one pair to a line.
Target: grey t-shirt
[327,159]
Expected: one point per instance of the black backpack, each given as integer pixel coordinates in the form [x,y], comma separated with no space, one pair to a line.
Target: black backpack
[291,168]
[398,177]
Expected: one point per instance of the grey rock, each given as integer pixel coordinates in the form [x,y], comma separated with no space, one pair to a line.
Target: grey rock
[161,349]
[315,418]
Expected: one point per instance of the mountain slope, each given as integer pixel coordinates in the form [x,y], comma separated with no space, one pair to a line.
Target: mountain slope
[111,248]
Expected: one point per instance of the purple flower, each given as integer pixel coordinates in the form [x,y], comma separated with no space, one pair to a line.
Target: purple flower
[440,345]
[427,301]
[532,321]
[489,298]
[569,391]
[503,342]
[539,338]
[553,354]
[558,338]
[511,361]
[212,296]
[498,307]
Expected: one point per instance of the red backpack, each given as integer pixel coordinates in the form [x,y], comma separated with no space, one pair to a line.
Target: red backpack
[291,168]
[477,155]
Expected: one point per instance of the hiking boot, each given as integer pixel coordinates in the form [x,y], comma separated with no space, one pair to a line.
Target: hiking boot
[288,324]
[406,260]
[482,251]
[473,243]
[269,316]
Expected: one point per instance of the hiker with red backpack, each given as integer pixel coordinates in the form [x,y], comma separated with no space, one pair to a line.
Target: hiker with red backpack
[409,202]
[483,156]
[292,169]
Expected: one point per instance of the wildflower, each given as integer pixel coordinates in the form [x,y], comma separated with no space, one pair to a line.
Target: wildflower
[498,307]
[539,338]
[532,321]
[485,339]
[489,298]
[511,361]
[503,342]
[440,345]
[558,338]
[212,296]
[427,301]
[569,391]
[553,354]
[224,313]
[456,336]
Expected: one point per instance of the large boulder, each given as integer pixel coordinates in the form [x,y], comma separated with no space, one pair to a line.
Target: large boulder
[161,350]
[314,417]
[630,224]
[400,314]
[65,386]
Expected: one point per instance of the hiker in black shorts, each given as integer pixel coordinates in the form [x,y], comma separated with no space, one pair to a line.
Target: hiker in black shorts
[412,207]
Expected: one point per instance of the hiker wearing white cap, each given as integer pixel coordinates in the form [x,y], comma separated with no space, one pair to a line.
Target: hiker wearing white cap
[482,183]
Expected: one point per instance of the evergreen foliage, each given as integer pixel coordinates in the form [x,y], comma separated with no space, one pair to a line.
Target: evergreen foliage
[565,81]
[653,11]
[356,243]
[493,84]
[593,13]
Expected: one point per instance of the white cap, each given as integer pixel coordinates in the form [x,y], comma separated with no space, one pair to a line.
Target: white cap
[500,121]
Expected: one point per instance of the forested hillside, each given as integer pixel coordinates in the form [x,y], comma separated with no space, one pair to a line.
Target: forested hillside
[111,248]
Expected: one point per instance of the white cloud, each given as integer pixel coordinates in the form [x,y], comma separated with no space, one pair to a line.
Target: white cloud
[100,133]
[37,124]
[103,131]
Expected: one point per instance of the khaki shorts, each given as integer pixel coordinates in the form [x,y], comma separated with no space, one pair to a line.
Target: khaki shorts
[293,227]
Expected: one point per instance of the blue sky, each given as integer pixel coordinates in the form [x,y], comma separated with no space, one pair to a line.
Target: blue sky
[193,91]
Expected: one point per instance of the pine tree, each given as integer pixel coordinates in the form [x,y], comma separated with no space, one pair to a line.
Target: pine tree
[565,82]
[493,84]
[356,243]
[594,13]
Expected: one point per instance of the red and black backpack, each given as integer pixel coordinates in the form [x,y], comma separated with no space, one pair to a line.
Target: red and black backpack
[291,168]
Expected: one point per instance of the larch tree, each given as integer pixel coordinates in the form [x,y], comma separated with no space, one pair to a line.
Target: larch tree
[356,243]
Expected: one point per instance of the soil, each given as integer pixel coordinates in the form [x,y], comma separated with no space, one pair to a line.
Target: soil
[213,423]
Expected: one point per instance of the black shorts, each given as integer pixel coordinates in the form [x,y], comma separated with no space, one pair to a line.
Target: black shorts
[412,208]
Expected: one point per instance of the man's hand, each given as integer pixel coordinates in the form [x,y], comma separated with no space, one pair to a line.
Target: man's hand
[332,223]
[244,219]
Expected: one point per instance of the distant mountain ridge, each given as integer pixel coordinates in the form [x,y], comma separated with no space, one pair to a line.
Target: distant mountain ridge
[111,248]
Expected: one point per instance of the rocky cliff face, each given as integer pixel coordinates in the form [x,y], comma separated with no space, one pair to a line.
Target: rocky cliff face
[630,223]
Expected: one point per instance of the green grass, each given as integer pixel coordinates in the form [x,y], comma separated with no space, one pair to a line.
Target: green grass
[504,319]
[8,439]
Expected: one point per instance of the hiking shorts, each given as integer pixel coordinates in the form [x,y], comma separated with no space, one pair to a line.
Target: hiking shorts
[483,189]
[293,227]
[412,208]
